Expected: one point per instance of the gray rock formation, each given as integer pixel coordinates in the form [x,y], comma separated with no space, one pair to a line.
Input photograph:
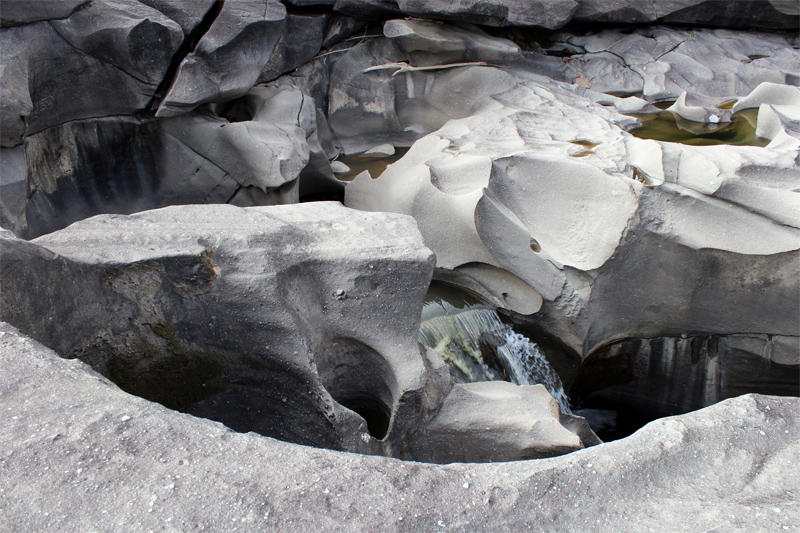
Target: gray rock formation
[372,99]
[657,275]
[229,58]
[299,43]
[284,321]
[17,12]
[126,34]
[40,63]
[547,14]
[92,457]
[117,165]
[661,63]
[744,14]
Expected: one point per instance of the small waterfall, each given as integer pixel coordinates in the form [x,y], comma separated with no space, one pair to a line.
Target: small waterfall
[479,347]
[527,365]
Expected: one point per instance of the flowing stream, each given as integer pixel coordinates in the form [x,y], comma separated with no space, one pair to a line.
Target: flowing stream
[478,346]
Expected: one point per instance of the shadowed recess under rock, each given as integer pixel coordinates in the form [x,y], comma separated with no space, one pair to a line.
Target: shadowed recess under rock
[623,387]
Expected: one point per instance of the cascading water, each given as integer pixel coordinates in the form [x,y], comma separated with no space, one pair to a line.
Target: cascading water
[527,365]
[478,346]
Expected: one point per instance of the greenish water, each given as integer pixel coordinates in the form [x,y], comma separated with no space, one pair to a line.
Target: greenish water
[376,167]
[666,126]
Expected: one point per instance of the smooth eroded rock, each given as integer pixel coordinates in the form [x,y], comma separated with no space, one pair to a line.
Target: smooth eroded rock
[736,458]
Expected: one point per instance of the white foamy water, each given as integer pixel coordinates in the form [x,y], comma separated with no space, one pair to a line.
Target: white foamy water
[527,365]
[464,339]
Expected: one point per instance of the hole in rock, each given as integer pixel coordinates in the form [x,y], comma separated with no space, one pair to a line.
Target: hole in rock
[244,393]
[585,143]
[753,57]
[669,127]
[238,110]
[641,176]
[359,378]
[373,411]
[480,346]
[588,148]
[375,167]
[623,387]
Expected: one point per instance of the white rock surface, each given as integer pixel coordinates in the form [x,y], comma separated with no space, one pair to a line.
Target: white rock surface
[548,188]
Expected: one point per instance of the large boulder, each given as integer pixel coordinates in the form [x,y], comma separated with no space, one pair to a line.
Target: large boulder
[299,43]
[79,454]
[46,81]
[127,34]
[297,322]
[102,59]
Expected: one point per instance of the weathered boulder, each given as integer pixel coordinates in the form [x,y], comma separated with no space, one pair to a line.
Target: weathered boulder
[299,43]
[51,82]
[744,14]
[229,57]
[90,456]
[284,321]
[490,421]
[185,307]
[266,151]
[547,14]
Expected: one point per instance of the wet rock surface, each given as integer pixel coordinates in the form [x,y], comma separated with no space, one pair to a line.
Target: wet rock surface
[100,458]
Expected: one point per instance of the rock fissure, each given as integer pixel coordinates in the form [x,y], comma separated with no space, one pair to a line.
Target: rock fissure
[188,46]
